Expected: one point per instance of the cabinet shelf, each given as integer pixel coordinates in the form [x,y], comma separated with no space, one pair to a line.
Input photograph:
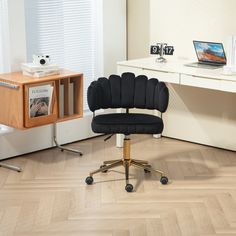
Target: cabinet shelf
[69,117]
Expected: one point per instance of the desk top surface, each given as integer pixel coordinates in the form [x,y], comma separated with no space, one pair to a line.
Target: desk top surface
[177,66]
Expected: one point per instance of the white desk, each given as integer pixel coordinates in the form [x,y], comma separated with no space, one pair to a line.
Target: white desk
[176,74]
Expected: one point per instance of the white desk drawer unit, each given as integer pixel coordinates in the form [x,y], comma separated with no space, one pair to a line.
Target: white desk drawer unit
[198,121]
[200,82]
[164,76]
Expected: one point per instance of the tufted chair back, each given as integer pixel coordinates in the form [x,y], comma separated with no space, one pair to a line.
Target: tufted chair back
[128,91]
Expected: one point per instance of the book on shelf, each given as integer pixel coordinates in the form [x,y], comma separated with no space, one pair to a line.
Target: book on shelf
[71,99]
[40,100]
[61,101]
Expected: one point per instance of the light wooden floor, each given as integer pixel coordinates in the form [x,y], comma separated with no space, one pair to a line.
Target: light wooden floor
[50,197]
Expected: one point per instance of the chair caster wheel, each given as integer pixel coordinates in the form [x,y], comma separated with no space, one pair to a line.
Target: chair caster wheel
[105,171]
[62,150]
[129,188]
[89,180]
[81,154]
[147,171]
[164,180]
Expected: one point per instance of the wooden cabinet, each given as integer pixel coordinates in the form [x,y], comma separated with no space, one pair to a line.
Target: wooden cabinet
[15,104]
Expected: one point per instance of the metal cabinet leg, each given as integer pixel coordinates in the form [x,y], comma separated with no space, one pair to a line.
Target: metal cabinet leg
[11,167]
[61,147]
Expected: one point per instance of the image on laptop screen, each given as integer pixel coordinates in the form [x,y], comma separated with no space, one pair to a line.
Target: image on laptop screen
[210,52]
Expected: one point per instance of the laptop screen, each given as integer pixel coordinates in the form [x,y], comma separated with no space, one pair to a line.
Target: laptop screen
[210,52]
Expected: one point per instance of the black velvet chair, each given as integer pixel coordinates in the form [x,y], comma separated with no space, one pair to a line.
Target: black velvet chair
[127,91]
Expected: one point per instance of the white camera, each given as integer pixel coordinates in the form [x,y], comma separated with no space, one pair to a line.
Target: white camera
[41,60]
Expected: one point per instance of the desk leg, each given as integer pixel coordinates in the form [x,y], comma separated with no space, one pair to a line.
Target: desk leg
[156,135]
[157,113]
[11,167]
[59,146]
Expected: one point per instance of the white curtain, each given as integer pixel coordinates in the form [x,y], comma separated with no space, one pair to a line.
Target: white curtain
[70,31]
[4,38]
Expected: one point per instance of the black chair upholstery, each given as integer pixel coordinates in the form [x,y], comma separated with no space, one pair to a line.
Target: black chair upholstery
[122,123]
[127,91]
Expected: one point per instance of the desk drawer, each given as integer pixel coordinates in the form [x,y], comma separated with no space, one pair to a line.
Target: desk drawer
[168,77]
[200,82]
[228,86]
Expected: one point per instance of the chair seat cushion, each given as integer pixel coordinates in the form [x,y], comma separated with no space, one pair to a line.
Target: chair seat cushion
[122,123]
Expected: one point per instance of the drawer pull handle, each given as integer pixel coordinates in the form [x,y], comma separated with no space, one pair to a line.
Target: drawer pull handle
[9,85]
[159,71]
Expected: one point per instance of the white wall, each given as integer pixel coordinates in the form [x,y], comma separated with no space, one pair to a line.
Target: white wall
[179,22]
[138,28]
[114,28]
[17,37]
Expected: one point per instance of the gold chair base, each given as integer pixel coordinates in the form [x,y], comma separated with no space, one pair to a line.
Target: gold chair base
[108,165]
[126,162]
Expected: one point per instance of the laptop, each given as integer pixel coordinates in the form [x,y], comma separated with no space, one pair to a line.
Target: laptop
[210,55]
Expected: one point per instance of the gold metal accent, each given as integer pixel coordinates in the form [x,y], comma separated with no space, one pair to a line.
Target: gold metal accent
[145,167]
[126,149]
[109,162]
[141,161]
[127,165]
[113,165]
[126,162]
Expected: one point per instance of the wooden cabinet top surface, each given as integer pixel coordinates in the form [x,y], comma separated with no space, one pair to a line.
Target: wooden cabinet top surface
[20,79]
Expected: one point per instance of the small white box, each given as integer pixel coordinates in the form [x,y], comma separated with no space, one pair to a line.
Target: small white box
[31,68]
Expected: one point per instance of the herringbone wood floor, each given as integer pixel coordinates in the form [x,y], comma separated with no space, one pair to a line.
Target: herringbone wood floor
[50,197]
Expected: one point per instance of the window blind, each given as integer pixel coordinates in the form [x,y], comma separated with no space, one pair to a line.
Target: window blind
[70,32]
